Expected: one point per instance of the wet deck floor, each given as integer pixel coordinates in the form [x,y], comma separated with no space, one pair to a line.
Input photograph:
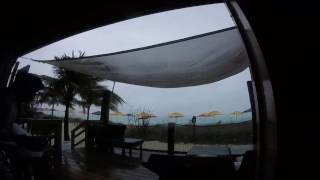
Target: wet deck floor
[81,165]
[78,165]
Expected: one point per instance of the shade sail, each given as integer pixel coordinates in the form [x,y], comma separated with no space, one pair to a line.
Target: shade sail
[196,60]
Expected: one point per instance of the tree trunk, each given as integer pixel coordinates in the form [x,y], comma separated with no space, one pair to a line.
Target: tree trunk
[52,110]
[88,113]
[83,109]
[66,122]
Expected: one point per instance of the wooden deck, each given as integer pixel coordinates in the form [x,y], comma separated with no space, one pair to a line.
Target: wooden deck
[78,165]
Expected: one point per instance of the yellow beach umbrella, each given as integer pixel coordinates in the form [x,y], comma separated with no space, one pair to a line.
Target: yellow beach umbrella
[210,114]
[117,113]
[175,115]
[145,115]
[236,114]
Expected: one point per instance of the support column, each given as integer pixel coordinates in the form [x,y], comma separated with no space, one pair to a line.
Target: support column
[105,106]
[90,130]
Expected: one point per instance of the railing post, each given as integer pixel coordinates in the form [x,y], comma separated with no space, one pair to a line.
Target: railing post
[171,127]
[58,142]
[90,136]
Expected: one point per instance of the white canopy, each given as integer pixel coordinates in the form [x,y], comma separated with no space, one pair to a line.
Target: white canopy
[191,61]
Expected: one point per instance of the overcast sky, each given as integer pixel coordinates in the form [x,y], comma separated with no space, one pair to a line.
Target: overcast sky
[226,96]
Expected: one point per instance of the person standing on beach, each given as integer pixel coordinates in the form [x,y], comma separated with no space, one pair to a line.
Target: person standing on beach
[194,120]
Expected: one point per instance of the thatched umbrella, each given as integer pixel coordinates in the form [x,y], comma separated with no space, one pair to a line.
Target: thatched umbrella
[210,114]
[117,113]
[176,115]
[144,116]
[236,114]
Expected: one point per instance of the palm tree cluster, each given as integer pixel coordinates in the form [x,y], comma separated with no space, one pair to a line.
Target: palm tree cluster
[71,88]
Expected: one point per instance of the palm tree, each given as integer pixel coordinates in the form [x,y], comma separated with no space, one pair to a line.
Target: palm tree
[92,94]
[67,84]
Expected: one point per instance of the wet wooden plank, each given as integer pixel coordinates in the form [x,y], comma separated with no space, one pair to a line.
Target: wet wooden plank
[79,165]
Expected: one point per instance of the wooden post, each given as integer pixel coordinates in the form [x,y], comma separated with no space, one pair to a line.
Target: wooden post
[105,106]
[90,136]
[171,127]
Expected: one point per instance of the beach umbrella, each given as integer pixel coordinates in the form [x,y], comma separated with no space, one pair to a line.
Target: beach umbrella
[236,114]
[176,115]
[210,114]
[144,116]
[117,113]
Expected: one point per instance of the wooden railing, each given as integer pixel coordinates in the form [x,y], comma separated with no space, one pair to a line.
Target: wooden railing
[77,131]
[87,128]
